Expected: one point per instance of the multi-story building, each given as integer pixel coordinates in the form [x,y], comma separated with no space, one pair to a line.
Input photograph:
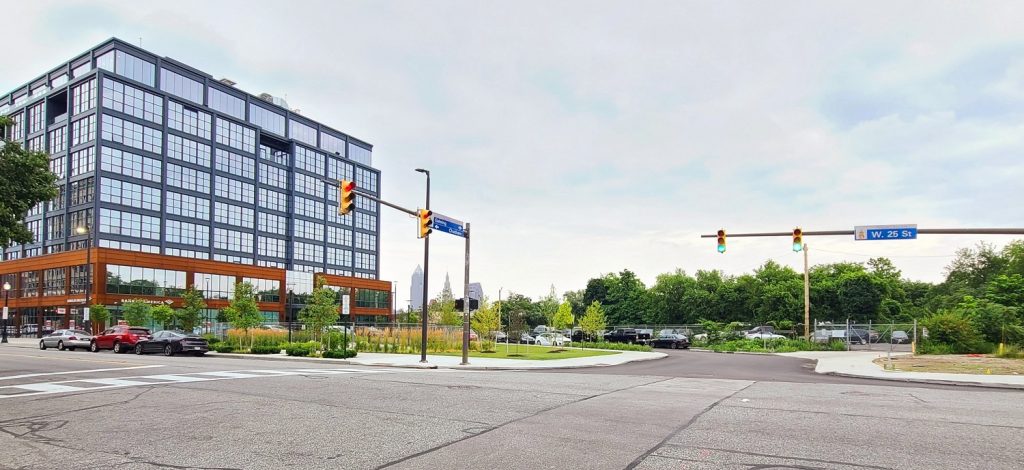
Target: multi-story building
[416,290]
[172,178]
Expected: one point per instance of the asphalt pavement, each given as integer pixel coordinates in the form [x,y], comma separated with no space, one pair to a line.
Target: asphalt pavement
[124,411]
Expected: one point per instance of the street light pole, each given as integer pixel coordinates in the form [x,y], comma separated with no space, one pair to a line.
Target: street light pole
[426,277]
[7,294]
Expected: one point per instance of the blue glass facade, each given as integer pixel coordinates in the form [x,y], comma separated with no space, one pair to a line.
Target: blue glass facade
[155,156]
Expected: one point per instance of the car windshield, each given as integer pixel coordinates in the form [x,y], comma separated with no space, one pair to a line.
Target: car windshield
[139,331]
[79,333]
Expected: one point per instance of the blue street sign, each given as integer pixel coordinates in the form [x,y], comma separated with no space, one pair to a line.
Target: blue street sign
[885,232]
[446,224]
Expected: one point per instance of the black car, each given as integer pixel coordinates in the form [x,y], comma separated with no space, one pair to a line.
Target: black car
[671,340]
[173,342]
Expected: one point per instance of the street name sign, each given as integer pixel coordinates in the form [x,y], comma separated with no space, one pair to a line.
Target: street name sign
[885,232]
[443,223]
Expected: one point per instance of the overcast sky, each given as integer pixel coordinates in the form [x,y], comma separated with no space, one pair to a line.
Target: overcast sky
[582,138]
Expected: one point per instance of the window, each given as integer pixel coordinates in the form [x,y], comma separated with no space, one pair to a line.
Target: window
[366,179]
[82,191]
[181,86]
[144,281]
[366,221]
[267,290]
[83,161]
[191,206]
[232,240]
[309,160]
[128,66]
[188,119]
[359,154]
[332,144]
[129,194]
[82,218]
[188,150]
[226,103]
[309,208]
[129,246]
[310,185]
[58,140]
[270,264]
[365,241]
[81,69]
[339,256]
[370,298]
[79,279]
[58,80]
[30,284]
[132,134]
[185,233]
[271,223]
[215,286]
[271,247]
[367,205]
[132,101]
[301,132]
[236,136]
[186,253]
[36,227]
[235,164]
[187,178]
[277,156]
[232,259]
[35,210]
[309,230]
[53,281]
[58,165]
[55,227]
[340,170]
[339,236]
[129,164]
[16,131]
[36,144]
[273,176]
[233,189]
[83,96]
[57,203]
[308,252]
[366,261]
[266,119]
[36,116]
[233,215]
[83,130]
[273,200]
[129,224]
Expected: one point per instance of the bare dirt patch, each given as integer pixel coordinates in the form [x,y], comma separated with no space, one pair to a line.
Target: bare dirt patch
[956,364]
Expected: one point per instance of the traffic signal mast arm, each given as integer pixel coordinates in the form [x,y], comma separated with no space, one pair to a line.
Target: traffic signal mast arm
[931,231]
[360,193]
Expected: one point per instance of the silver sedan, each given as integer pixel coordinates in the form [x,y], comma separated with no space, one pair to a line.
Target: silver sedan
[66,339]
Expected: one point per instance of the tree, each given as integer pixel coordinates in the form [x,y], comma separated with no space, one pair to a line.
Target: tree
[136,313]
[447,315]
[99,315]
[166,316]
[548,306]
[485,320]
[192,306]
[321,311]
[27,181]
[563,318]
[593,322]
[243,312]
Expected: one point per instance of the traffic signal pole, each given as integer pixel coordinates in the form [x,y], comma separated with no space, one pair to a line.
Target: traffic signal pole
[807,297]
[465,307]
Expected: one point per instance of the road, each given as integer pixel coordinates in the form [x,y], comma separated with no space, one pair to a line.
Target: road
[123,411]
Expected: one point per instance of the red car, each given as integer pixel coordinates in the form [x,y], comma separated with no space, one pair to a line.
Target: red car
[120,338]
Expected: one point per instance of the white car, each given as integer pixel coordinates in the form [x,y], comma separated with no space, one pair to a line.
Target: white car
[552,339]
[763,336]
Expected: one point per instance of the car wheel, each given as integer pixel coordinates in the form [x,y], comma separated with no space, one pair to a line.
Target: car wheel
[60,345]
[138,349]
[93,347]
[675,345]
[168,350]
[42,345]
[200,354]
[117,348]
[71,348]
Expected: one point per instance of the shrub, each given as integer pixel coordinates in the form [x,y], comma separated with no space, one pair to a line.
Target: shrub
[836,346]
[211,339]
[339,354]
[1011,352]
[931,347]
[955,329]
[618,346]
[265,350]
[259,337]
[222,348]
[487,345]
[301,349]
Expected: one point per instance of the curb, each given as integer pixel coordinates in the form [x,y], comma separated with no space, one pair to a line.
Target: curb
[1001,386]
[315,360]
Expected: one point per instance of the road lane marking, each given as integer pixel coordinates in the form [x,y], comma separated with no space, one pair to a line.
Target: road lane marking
[119,382]
[66,358]
[229,375]
[89,371]
[175,378]
[47,388]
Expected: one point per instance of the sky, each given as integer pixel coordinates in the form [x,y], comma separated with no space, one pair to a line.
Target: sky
[584,138]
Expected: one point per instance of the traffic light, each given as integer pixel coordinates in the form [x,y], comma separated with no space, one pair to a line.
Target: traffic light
[721,240]
[798,239]
[425,218]
[346,196]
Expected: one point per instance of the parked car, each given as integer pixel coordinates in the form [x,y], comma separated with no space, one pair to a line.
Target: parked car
[760,329]
[121,338]
[899,337]
[66,339]
[552,339]
[500,337]
[626,335]
[473,336]
[671,340]
[273,328]
[526,338]
[171,343]
[540,329]
[763,336]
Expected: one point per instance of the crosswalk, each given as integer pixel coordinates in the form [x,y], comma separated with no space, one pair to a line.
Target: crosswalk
[91,384]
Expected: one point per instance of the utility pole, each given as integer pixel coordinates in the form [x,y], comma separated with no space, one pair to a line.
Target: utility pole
[465,306]
[807,298]
[426,277]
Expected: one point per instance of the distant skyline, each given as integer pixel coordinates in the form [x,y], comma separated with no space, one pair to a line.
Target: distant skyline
[583,138]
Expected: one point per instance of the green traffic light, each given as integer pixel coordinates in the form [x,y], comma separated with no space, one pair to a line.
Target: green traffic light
[721,248]
[798,247]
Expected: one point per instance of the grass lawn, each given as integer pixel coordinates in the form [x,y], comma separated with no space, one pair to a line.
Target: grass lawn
[956,364]
[534,353]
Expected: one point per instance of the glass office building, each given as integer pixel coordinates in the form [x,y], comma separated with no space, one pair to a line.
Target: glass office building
[155,157]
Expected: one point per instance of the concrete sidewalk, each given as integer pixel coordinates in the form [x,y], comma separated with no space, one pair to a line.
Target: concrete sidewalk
[860,364]
[433,361]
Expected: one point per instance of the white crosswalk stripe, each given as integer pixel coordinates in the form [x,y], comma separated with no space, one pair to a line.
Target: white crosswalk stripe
[83,385]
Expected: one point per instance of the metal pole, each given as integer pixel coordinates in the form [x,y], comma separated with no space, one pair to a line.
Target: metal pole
[426,278]
[507,334]
[288,306]
[807,298]
[869,335]
[913,344]
[7,294]
[88,289]
[465,307]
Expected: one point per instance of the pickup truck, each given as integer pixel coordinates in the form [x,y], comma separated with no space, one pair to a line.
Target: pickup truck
[627,335]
